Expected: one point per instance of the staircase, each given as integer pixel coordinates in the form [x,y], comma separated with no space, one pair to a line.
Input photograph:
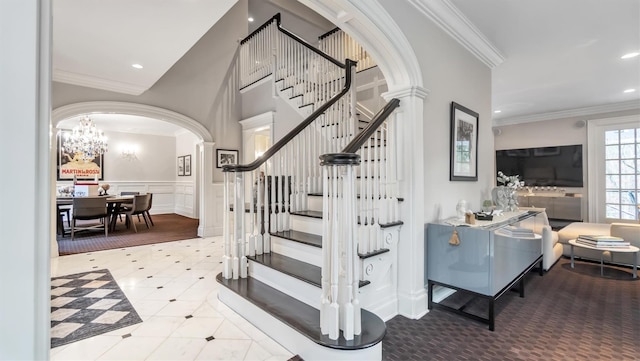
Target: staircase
[311,256]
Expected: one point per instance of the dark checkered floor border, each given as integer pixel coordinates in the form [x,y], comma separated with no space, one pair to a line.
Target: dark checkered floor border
[87,304]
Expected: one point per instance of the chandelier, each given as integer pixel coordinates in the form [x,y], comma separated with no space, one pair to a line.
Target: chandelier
[85,140]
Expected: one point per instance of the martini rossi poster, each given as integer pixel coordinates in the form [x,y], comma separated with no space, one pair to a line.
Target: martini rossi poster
[72,164]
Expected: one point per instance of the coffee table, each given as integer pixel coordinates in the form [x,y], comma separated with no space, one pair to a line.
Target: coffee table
[628,249]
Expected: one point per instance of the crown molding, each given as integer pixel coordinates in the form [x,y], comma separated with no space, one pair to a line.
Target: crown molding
[97,83]
[444,14]
[569,113]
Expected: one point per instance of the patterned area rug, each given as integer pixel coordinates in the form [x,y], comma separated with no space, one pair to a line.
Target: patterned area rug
[568,314]
[168,228]
[87,304]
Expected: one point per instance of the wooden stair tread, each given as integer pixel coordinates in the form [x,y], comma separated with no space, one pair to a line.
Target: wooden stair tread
[302,317]
[301,270]
[312,214]
[316,241]
[302,237]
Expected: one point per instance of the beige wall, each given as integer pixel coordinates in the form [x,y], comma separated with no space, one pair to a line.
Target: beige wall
[562,131]
[451,74]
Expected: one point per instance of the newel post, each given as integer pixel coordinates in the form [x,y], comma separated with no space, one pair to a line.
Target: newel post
[340,308]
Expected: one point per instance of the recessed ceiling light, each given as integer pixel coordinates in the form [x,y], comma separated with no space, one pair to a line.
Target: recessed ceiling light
[137,66]
[629,90]
[497,111]
[630,55]
[250,19]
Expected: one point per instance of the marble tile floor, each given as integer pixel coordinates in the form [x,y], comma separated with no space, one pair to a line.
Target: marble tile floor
[172,286]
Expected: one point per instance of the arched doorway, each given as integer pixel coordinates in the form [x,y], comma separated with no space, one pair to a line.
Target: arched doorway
[203,156]
[372,27]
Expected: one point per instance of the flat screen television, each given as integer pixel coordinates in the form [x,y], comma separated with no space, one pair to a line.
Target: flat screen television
[559,166]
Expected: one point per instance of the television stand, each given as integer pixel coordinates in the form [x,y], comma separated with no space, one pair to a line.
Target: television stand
[561,207]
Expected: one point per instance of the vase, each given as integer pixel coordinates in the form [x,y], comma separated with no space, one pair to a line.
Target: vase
[512,201]
[505,198]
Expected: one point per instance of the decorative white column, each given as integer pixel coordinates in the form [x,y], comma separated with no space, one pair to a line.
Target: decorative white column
[209,206]
[409,123]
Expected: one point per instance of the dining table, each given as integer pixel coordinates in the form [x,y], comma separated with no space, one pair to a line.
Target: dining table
[114,204]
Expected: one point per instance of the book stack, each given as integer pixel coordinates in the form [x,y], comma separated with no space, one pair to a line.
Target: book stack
[517,232]
[602,241]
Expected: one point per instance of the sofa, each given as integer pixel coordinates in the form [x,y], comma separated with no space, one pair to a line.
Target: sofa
[551,249]
[629,231]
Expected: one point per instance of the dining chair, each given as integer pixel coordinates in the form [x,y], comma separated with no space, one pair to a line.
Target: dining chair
[89,208]
[128,205]
[139,206]
[146,212]
[64,212]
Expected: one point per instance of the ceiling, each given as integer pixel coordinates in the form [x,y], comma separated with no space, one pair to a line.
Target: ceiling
[558,55]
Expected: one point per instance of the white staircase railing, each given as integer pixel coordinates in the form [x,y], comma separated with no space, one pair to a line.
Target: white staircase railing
[273,50]
[343,237]
[284,176]
[340,45]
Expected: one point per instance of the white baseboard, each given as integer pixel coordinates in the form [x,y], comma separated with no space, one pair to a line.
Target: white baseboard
[209,231]
[413,305]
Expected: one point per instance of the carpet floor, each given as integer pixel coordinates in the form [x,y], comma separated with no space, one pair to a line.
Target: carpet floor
[87,304]
[568,314]
[168,227]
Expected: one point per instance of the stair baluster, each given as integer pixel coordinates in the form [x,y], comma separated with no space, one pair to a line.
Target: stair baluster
[340,45]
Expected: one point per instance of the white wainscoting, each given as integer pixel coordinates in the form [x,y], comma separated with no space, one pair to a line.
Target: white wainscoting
[184,199]
[168,197]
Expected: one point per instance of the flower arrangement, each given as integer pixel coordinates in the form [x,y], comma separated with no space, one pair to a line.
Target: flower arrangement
[512,181]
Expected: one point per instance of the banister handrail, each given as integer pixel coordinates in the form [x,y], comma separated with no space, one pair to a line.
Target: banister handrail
[287,138]
[276,17]
[303,42]
[311,47]
[375,123]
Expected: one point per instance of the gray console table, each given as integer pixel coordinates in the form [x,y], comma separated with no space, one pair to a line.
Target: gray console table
[486,263]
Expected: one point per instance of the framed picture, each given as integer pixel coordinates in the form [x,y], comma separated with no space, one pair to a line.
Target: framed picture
[180,166]
[226,156]
[187,165]
[464,144]
[71,164]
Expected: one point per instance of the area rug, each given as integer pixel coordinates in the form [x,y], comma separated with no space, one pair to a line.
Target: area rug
[87,304]
[168,228]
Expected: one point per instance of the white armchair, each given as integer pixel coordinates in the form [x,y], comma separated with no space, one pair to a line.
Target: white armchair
[551,249]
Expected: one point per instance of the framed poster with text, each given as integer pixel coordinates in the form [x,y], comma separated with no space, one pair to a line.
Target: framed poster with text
[69,164]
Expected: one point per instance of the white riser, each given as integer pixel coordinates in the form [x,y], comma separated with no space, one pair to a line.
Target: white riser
[297,250]
[288,337]
[300,290]
[314,203]
[306,224]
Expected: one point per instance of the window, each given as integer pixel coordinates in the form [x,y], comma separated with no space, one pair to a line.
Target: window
[622,163]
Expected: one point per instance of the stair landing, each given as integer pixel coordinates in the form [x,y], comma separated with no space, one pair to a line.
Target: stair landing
[303,318]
